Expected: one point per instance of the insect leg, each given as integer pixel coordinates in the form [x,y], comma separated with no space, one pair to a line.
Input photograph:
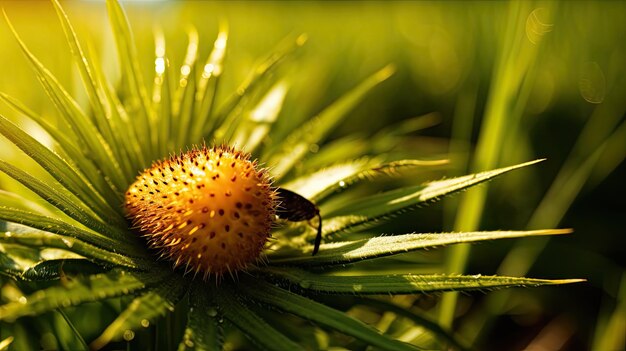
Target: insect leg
[318,238]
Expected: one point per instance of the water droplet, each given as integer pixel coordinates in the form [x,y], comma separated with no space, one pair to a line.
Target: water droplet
[305,284]
[8,234]
[212,312]
[357,287]
[477,276]
[129,335]
[145,323]
[22,300]
[342,184]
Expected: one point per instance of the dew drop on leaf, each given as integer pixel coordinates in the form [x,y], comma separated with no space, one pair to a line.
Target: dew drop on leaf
[22,300]
[357,287]
[145,323]
[212,312]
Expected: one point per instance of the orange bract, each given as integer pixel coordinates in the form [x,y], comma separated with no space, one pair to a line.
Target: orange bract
[208,209]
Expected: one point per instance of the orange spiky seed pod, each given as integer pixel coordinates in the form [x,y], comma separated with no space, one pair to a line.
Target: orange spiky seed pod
[208,209]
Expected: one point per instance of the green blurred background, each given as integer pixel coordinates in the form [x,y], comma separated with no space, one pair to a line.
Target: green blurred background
[503,82]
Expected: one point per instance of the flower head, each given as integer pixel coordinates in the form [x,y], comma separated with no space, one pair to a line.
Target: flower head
[210,210]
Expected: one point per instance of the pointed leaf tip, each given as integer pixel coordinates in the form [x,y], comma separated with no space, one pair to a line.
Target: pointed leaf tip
[386,72]
[302,39]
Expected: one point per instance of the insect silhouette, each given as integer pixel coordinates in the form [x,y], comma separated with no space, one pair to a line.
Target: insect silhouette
[296,208]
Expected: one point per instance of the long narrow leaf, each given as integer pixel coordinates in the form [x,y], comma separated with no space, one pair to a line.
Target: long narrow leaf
[224,117]
[432,326]
[208,85]
[404,283]
[75,341]
[76,291]
[354,251]
[311,184]
[258,330]
[366,211]
[385,169]
[95,92]
[63,228]
[253,129]
[64,201]
[298,143]
[59,170]
[131,73]
[321,314]
[65,139]
[203,332]
[88,134]
[39,240]
[144,309]
[184,100]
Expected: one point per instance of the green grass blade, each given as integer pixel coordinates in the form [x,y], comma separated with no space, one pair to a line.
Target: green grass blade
[366,211]
[11,233]
[185,96]
[76,341]
[404,283]
[17,201]
[208,85]
[60,170]
[94,90]
[65,139]
[354,251]
[310,185]
[203,332]
[38,240]
[388,137]
[388,306]
[350,147]
[64,201]
[296,146]
[254,127]
[321,314]
[123,132]
[143,310]
[136,94]
[76,291]
[63,228]
[162,96]
[255,328]
[224,117]
[88,134]
[381,170]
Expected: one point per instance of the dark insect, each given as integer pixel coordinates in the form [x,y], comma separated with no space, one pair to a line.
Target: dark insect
[296,208]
